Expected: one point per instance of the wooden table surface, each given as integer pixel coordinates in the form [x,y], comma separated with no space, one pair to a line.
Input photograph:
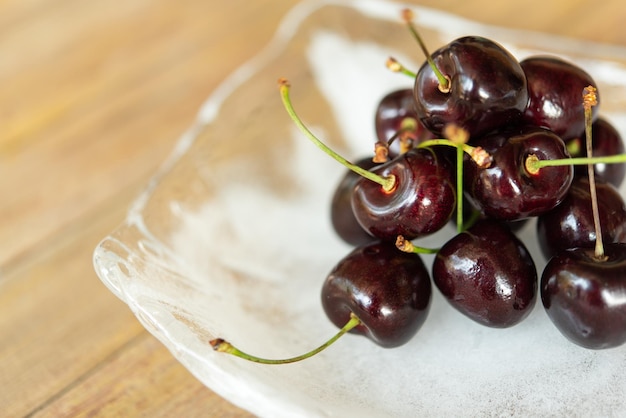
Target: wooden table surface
[93,97]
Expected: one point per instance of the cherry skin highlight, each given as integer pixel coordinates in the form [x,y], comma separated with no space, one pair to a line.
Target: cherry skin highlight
[421,202]
[388,290]
[555,87]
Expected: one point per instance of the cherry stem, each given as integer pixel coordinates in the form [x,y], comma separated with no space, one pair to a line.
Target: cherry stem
[387,183]
[407,246]
[404,135]
[459,189]
[590,99]
[478,154]
[573,146]
[395,66]
[459,137]
[534,164]
[223,346]
[444,81]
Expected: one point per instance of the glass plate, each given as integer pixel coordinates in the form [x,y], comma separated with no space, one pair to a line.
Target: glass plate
[232,239]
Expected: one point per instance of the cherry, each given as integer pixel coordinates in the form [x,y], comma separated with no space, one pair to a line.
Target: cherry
[486,87]
[421,202]
[585,297]
[571,223]
[507,189]
[388,290]
[487,274]
[554,87]
[583,290]
[396,122]
[341,215]
[606,141]
[376,291]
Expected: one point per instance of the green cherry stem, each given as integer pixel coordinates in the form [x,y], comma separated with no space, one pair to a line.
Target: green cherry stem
[381,148]
[534,164]
[395,66]
[479,155]
[387,183]
[444,81]
[458,137]
[223,346]
[459,189]
[407,246]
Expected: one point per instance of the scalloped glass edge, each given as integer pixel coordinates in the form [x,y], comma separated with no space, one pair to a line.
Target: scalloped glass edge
[116,263]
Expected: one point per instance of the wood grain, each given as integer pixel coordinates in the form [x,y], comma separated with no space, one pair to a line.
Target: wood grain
[94,95]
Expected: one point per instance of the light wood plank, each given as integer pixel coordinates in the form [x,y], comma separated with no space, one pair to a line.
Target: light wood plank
[143,379]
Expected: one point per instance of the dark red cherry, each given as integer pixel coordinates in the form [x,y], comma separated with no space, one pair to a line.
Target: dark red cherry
[606,140]
[487,87]
[507,190]
[487,274]
[388,290]
[571,224]
[341,215]
[421,202]
[555,88]
[395,113]
[586,298]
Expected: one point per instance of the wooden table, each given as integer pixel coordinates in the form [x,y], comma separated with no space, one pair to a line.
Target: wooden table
[93,97]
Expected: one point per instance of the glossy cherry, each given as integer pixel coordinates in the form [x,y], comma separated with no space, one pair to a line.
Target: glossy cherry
[585,297]
[486,87]
[420,203]
[487,274]
[341,215]
[554,88]
[571,223]
[507,190]
[388,290]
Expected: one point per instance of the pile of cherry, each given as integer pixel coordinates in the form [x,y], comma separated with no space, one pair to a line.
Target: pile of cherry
[487,142]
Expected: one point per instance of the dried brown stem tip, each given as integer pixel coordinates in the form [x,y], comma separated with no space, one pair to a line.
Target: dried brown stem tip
[220,345]
[530,164]
[590,97]
[407,15]
[482,158]
[393,65]
[381,152]
[404,245]
[456,134]
[406,142]
[283,82]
